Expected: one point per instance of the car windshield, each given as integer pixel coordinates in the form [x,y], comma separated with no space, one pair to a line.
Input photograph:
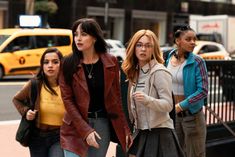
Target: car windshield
[120,45]
[3,38]
[114,44]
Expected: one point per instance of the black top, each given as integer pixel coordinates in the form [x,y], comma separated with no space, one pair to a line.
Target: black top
[95,85]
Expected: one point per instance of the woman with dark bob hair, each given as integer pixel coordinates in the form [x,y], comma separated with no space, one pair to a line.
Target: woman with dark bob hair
[91,93]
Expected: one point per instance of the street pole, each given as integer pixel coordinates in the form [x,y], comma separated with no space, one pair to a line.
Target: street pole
[106,17]
[29,8]
[74,7]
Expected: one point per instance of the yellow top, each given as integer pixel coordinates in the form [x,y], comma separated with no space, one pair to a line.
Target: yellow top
[51,107]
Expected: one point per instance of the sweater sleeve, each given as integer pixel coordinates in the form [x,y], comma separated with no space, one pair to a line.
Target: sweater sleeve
[22,98]
[201,85]
[162,84]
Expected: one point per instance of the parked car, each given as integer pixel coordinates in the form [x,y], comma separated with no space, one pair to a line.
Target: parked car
[116,48]
[232,55]
[206,49]
[22,48]
[211,50]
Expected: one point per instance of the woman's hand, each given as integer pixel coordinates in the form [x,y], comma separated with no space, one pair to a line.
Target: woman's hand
[129,142]
[178,109]
[139,96]
[91,139]
[31,114]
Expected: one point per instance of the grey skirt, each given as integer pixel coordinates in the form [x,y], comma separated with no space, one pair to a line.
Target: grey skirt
[159,142]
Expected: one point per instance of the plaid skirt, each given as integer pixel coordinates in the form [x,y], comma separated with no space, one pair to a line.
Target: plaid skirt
[157,142]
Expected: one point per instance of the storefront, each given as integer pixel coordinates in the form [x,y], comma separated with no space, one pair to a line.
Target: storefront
[3,13]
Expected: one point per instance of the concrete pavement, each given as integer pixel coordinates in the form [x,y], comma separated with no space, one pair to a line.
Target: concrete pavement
[9,147]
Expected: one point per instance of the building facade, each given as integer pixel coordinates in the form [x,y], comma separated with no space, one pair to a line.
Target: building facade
[3,13]
[121,18]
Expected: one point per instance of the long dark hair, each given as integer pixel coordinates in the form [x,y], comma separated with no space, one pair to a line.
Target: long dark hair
[91,27]
[41,75]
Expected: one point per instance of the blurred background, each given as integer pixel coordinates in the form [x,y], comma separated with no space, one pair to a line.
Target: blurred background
[121,18]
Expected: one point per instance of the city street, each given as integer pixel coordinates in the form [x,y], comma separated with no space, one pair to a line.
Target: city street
[11,148]
[9,120]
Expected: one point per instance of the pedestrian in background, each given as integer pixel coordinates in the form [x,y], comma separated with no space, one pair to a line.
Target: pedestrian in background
[49,108]
[190,86]
[90,88]
[150,98]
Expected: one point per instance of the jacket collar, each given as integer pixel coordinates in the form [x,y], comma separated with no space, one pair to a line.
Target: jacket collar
[148,66]
[153,65]
[190,59]
[109,72]
[107,61]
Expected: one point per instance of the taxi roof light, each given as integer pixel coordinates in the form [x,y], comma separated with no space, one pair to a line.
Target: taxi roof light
[30,21]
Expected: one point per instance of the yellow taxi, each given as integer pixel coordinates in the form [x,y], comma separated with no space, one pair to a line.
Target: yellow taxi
[21,48]
[208,50]
[211,50]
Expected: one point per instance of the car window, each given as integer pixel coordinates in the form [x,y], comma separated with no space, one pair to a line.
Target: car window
[109,45]
[208,49]
[119,45]
[47,41]
[62,40]
[3,38]
[19,43]
[44,41]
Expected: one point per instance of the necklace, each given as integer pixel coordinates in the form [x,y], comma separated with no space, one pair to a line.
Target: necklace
[145,72]
[177,62]
[89,71]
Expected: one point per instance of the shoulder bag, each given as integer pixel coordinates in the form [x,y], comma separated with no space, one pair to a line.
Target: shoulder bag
[25,127]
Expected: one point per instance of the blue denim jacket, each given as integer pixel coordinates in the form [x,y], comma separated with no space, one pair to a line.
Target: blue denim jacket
[195,80]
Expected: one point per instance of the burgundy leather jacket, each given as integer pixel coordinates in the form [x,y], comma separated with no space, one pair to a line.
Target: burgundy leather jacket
[76,98]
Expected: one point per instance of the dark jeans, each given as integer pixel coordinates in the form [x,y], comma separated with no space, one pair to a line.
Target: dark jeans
[45,144]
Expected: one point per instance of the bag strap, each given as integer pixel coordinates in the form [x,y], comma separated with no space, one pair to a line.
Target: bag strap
[34,93]
[173,112]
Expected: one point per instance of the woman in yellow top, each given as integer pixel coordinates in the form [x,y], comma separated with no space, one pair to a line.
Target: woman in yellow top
[49,108]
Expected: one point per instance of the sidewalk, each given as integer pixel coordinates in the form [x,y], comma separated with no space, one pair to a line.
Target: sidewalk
[11,148]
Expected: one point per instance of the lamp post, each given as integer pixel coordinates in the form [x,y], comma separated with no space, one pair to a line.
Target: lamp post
[29,7]
[106,15]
